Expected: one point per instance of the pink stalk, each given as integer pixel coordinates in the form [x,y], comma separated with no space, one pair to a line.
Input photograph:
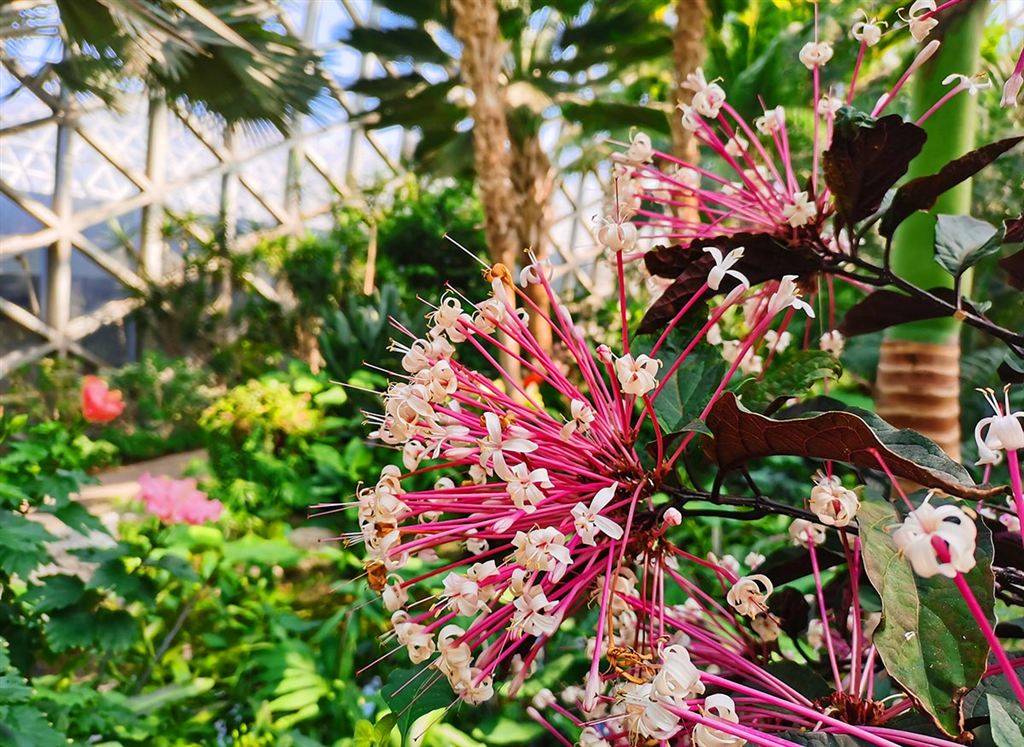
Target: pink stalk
[942,7]
[679,315]
[754,140]
[923,56]
[1013,464]
[814,113]
[915,739]
[858,636]
[736,730]
[835,724]
[751,338]
[867,679]
[939,104]
[982,619]
[856,72]
[593,677]
[532,712]
[1017,663]
[823,612]
[718,313]
[892,478]
[622,302]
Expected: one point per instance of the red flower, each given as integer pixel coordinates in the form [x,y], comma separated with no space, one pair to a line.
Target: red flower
[100,403]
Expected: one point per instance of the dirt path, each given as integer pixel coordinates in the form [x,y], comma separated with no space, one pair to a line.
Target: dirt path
[121,483]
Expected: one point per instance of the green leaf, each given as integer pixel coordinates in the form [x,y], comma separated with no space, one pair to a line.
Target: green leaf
[13,687]
[170,694]
[56,592]
[401,43]
[77,517]
[364,736]
[503,730]
[382,730]
[253,550]
[411,693]
[993,701]
[790,377]
[22,544]
[687,391]
[106,630]
[113,576]
[928,640]
[334,395]
[1006,719]
[177,566]
[612,116]
[801,678]
[417,10]
[962,241]
[25,726]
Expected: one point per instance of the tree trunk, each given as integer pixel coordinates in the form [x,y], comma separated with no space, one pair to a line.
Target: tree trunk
[533,182]
[476,28]
[918,383]
[687,55]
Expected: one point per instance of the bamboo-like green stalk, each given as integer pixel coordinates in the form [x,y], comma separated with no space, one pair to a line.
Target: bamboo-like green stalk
[951,133]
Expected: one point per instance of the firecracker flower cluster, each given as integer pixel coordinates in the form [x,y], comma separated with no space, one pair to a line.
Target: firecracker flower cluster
[553,470]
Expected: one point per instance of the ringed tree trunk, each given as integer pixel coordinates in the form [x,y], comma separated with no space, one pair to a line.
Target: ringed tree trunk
[476,28]
[533,181]
[918,382]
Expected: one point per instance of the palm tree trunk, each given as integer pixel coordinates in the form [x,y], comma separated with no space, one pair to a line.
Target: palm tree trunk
[918,382]
[533,181]
[476,28]
[687,55]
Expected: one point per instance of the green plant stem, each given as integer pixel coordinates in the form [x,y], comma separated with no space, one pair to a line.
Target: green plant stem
[951,133]
[166,643]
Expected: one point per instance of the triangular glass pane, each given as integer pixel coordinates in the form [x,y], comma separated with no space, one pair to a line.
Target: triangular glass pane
[26,162]
[91,285]
[94,180]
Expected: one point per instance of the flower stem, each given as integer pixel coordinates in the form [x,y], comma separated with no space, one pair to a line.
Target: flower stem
[1013,463]
[982,619]
[990,636]
[823,612]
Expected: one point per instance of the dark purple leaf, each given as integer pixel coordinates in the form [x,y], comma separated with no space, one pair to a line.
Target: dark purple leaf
[765,257]
[741,436]
[1014,267]
[921,193]
[867,157]
[791,609]
[1013,230]
[1011,372]
[791,563]
[886,308]
[671,261]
